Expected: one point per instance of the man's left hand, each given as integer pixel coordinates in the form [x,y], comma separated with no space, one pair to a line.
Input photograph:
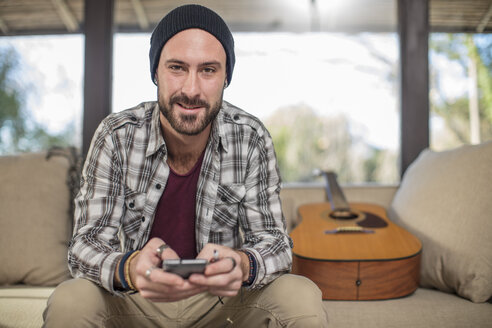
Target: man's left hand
[225,275]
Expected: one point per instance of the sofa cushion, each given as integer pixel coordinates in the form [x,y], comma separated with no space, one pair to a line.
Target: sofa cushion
[23,306]
[35,226]
[425,308]
[445,200]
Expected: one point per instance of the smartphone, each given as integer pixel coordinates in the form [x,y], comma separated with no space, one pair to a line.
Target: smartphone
[184,267]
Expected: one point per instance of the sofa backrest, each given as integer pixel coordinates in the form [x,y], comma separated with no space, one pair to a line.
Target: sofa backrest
[35,219]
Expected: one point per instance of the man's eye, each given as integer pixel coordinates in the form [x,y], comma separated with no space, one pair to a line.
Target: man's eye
[209,70]
[175,68]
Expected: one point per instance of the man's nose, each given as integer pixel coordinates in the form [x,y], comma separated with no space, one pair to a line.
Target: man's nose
[191,86]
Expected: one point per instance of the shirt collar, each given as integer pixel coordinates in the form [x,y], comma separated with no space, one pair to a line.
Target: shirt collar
[218,128]
[156,141]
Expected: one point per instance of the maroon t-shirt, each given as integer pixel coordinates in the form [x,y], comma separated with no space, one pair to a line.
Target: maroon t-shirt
[174,220]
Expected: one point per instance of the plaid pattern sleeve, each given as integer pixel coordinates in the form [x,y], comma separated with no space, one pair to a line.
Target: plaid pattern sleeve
[264,225]
[110,212]
[93,252]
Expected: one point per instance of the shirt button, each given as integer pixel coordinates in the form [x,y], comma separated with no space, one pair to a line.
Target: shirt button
[158,186]
[223,198]
[132,205]
[143,218]
[236,117]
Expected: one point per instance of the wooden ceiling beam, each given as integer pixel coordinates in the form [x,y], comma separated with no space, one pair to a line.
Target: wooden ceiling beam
[66,15]
[485,20]
[143,21]
[3,27]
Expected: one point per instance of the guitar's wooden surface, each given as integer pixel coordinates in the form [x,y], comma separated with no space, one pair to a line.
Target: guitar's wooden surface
[356,266]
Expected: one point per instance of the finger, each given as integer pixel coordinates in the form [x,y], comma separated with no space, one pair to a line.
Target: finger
[174,284]
[229,280]
[223,292]
[223,265]
[209,250]
[149,275]
[230,289]
[160,249]
[149,259]
[155,275]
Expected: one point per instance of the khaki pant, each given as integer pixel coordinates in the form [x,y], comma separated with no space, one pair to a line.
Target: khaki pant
[289,301]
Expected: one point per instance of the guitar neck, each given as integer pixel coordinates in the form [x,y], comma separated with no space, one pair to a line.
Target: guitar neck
[334,193]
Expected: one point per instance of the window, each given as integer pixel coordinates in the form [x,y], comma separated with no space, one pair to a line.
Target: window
[328,92]
[329,100]
[461,89]
[40,92]
[324,82]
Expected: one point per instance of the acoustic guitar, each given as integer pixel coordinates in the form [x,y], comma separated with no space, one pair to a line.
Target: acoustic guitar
[354,252]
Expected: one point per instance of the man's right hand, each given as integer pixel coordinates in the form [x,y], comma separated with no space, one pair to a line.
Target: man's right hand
[154,283]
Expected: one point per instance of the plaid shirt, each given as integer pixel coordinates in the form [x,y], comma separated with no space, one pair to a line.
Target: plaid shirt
[125,174]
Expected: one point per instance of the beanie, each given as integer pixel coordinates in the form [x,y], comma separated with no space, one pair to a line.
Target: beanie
[186,17]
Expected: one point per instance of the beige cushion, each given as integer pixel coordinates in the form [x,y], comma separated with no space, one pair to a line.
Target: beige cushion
[23,306]
[426,308]
[34,219]
[445,199]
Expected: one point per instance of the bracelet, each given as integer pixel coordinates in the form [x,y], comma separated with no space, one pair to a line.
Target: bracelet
[128,278]
[121,270]
[252,269]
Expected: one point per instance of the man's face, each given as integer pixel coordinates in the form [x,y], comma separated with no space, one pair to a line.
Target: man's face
[190,80]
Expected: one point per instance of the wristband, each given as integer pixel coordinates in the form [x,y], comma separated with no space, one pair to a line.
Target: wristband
[252,269]
[128,278]
[121,270]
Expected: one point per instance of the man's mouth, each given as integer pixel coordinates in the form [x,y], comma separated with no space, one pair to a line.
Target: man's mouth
[189,107]
[188,104]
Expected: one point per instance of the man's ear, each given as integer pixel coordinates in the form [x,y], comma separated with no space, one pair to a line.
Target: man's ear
[225,84]
[155,78]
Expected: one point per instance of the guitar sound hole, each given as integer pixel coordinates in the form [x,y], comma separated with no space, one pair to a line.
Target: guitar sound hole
[343,215]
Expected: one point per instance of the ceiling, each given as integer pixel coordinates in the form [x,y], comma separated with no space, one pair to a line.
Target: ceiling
[30,17]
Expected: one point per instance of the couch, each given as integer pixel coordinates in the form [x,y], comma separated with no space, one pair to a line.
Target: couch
[445,199]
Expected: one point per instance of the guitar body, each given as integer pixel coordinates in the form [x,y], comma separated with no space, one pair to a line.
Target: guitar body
[367,258]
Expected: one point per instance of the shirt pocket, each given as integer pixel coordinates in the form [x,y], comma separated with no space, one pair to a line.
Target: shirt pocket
[134,207]
[226,212]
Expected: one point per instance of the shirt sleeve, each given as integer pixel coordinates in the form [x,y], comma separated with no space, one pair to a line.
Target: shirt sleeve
[95,248]
[264,225]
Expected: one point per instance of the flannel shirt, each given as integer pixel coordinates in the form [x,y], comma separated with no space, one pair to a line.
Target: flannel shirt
[125,173]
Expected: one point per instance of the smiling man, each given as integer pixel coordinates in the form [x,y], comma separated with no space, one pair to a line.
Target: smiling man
[187,177]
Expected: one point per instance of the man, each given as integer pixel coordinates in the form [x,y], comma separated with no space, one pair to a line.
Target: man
[189,176]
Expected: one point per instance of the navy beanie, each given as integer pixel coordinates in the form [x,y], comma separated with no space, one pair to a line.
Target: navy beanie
[186,17]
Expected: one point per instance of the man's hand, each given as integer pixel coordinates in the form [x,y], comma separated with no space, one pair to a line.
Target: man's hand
[223,277]
[154,283]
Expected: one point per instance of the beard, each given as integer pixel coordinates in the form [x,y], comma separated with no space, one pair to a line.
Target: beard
[188,124]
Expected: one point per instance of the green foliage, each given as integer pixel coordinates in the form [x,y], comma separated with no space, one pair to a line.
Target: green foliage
[463,48]
[305,141]
[12,122]
[18,131]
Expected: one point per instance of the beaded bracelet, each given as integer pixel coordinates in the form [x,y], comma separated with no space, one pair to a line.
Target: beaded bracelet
[128,278]
[121,270]
[252,269]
